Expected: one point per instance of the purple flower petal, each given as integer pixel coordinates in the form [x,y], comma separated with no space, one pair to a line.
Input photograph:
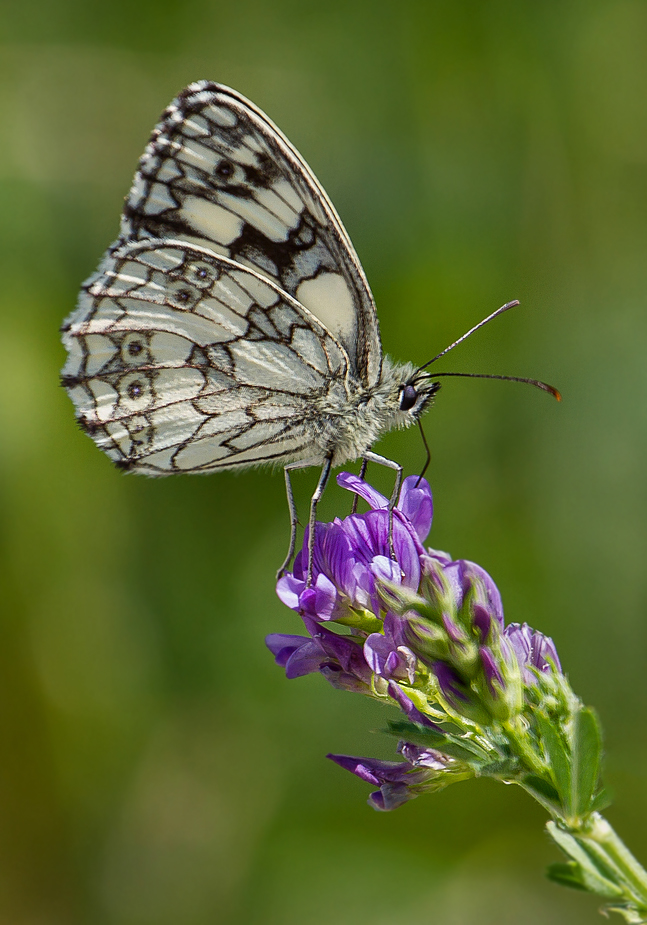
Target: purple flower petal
[391,796]
[406,552]
[373,770]
[464,576]
[455,633]
[533,650]
[482,621]
[520,637]
[399,781]
[306,660]
[423,757]
[385,569]
[417,505]
[299,655]
[491,671]
[288,589]
[325,598]
[345,650]
[438,556]
[451,686]
[396,779]
[353,483]
[282,645]
[488,595]
[377,650]
[409,708]
[387,654]
[338,554]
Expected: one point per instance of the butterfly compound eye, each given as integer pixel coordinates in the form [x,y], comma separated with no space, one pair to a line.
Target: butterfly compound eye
[408,397]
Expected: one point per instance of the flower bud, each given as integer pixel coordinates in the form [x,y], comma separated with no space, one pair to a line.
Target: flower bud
[426,640]
[459,696]
[536,653]
[501,688]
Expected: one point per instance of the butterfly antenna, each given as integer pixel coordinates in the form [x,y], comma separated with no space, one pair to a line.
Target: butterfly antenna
[499,311]
[536,382]
[428,451]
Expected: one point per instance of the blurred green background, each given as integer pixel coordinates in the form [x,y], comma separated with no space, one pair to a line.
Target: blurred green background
[155,766]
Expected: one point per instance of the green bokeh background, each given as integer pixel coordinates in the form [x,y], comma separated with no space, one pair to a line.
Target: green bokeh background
[155,766]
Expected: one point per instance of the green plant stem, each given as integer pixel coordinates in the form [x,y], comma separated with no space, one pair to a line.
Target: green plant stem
[602,864]
[598,832]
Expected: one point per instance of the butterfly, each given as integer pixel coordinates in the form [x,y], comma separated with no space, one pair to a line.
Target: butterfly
[231,323]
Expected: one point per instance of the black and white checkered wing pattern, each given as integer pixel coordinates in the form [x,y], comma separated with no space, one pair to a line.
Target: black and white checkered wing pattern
[218,173]
[181,360]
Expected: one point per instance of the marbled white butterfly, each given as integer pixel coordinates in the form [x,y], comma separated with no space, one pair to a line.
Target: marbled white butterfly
[231,324]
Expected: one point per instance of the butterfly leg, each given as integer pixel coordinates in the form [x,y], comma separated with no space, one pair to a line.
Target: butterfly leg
[362,473]
[294,519]
[314,501]
[390,464]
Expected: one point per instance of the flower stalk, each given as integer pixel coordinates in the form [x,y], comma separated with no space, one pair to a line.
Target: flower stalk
[407,625]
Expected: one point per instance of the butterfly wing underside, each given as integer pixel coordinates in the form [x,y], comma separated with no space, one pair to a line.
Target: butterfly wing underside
[218,173]
[181,360]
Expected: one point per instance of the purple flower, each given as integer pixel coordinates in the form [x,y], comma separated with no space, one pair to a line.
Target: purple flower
[444,614]
[388,654]
[459,694]
[352,555]
[535,652]
[463,590]
[398,781]
[423,770]
[338,658]
[458,611]
[421,630]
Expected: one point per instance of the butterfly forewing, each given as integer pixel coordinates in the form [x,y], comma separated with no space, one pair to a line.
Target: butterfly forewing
[184,360]
[218,173]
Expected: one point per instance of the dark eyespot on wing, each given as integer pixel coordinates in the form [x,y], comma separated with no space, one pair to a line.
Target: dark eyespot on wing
[221,378]
[225,169]
[135,390]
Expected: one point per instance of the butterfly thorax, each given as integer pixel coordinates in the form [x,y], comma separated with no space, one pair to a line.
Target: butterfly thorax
[352,418]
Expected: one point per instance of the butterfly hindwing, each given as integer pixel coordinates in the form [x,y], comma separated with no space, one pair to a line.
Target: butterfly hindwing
[181,360]
[218,173]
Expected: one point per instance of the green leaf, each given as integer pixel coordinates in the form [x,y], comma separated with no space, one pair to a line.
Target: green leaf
[541,786]
[603,799]
[628,911]
[566,874]
[559,759]
[589,874]
[586,754]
